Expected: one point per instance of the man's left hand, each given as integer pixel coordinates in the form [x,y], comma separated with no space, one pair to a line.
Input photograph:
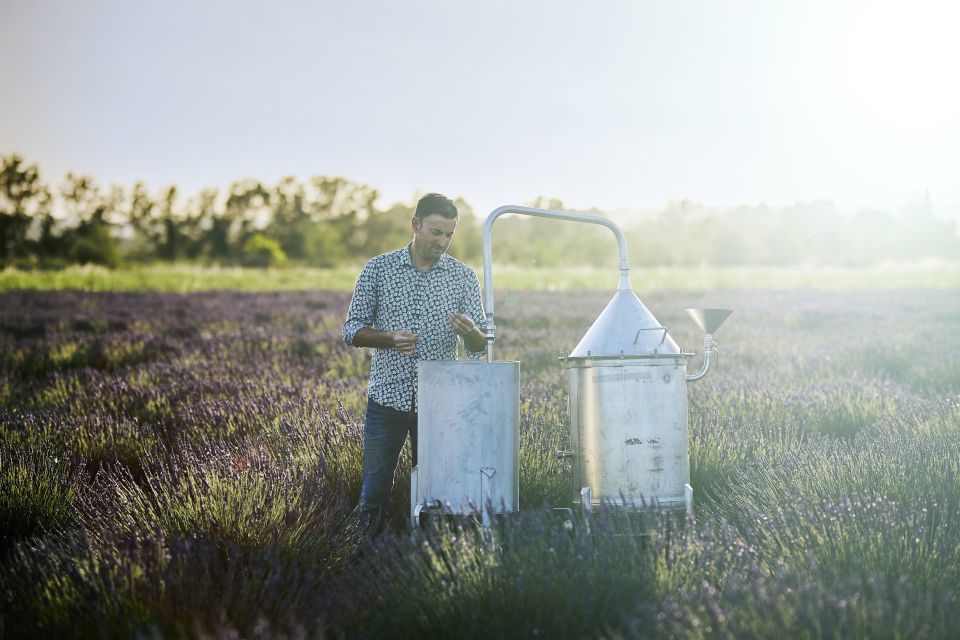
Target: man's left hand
[473,338]
[464,326]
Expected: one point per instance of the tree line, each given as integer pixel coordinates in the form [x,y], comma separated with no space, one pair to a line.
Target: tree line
[327,221]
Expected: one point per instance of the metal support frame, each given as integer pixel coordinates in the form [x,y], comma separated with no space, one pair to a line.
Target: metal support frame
[490,327]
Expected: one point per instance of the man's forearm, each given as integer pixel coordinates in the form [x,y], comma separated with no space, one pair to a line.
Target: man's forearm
[404,340]
[367,337]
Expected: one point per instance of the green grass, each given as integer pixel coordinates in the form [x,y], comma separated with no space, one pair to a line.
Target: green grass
[183,278]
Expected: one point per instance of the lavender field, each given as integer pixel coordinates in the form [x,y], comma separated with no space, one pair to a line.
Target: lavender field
[186,465]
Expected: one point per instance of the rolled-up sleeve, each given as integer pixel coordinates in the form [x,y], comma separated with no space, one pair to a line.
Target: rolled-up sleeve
[363,305]
[473,308]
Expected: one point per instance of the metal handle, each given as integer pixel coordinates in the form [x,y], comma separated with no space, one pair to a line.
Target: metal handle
[662,338]
[564,455]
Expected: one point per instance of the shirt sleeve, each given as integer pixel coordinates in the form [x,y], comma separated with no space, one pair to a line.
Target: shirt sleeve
[363,305]
[473,308]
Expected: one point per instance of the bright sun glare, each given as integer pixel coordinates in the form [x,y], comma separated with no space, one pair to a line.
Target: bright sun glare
[896,67]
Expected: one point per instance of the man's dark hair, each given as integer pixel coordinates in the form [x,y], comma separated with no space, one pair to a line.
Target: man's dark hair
[436,204]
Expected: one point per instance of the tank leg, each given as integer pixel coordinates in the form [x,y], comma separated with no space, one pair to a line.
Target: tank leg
[414,488]
[586,501]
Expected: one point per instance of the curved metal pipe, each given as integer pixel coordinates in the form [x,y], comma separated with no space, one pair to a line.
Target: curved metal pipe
[541,213]
[709,344]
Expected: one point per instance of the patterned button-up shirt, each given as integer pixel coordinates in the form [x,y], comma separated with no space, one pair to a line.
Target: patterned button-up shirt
[392,295]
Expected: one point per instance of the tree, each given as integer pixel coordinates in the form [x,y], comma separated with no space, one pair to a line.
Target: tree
[340,207]
[468,244]
[260,251]
[201,214]
[23,199]
[91,240]
[924,235]
[386,230]
[246,211]
[170,243]
[290,224]
[140,218]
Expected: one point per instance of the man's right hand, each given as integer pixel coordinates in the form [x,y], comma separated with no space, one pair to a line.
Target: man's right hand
[404,341]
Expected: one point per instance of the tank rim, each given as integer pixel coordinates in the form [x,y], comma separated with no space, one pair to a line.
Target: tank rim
[683,355]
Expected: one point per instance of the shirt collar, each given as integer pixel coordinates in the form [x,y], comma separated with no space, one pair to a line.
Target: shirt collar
[406,259]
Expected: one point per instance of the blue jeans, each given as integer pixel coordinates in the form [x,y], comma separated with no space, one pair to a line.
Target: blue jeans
[384,431]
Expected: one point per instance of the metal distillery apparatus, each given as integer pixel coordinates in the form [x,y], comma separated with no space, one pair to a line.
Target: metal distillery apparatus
[627,405]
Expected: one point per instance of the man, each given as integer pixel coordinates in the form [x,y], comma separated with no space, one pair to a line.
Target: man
[415,303]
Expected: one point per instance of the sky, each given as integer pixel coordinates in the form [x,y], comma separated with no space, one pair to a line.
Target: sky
[618,105]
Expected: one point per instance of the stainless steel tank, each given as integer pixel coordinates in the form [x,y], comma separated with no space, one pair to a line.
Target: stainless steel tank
[628,410]
[467,437]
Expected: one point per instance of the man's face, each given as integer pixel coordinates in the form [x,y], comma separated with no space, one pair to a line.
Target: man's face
[432,235]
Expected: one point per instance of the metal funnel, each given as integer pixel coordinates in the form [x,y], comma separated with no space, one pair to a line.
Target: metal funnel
[709,319]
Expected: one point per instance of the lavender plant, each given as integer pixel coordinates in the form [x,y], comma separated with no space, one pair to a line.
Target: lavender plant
[188,465]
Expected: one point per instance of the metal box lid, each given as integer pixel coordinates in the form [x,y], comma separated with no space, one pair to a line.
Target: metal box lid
[625,328]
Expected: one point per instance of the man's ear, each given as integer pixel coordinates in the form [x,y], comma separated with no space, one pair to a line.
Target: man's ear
[416,223]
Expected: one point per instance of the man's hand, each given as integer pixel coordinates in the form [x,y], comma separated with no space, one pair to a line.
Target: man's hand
[464,327]
[404,341]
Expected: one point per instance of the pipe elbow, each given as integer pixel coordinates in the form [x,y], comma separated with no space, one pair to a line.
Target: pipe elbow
[703,370]
[709,344]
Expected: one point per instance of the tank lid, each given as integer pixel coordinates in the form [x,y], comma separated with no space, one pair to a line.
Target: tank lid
[625,327]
